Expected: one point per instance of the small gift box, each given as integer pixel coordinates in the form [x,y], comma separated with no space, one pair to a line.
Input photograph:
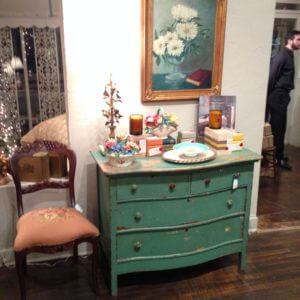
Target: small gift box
[154,146]
[35,168]
[58,165]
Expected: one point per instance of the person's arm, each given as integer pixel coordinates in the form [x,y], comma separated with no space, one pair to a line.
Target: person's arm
[276,67]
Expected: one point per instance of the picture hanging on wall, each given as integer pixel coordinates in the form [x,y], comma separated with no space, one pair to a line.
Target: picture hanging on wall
[182,48]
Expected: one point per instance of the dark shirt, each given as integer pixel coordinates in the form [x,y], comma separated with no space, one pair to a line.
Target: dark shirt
[282,71]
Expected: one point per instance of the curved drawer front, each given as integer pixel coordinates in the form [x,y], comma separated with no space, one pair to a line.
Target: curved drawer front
[155,186]
[183,241]
[218,179]
[157,213]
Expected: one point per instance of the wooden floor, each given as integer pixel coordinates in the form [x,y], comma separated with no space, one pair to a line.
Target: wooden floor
[279,200]
[273,262]
[273,272]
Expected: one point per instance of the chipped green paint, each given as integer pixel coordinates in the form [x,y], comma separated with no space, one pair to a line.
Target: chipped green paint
[156,215]
[157,164]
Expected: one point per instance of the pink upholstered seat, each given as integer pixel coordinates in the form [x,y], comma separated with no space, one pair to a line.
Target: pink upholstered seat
[52,226]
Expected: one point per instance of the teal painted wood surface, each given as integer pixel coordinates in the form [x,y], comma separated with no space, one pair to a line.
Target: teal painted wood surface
[157,215]
[179,240]
[156,164]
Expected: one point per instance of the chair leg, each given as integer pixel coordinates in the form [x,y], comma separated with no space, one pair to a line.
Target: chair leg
[19,259]
[75,253]
[25,265]
[95,262]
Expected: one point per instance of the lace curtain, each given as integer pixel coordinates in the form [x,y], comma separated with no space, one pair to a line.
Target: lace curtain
[31,76]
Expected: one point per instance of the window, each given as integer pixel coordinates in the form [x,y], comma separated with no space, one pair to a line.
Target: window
[31,75]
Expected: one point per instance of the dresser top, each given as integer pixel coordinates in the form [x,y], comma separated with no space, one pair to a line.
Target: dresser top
[157,165]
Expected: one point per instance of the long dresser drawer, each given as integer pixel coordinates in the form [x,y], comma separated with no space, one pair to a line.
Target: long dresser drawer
[155,186]
[218,179]
[157,213]
[179,241]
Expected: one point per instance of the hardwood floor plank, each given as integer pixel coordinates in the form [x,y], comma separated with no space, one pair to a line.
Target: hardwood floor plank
[273,272]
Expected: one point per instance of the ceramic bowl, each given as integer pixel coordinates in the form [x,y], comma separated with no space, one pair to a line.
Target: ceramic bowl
[190,151]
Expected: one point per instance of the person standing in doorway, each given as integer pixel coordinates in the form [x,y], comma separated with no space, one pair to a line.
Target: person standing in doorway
[281,82]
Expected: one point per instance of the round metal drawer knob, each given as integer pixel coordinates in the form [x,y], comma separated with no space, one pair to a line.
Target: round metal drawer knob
[207,181]
[229,203]
[172,186]
[137,246]
[227,228]
[137,216]
[134,188]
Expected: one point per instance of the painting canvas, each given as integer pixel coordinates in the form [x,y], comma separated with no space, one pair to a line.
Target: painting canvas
[228,113]
[183,47]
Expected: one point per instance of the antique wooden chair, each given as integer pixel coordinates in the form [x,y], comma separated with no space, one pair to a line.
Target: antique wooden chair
[53,229]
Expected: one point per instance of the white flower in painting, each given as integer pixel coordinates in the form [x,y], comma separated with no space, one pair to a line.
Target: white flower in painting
[170,36]
[159,46]
[187,31]
[175,47]
[184,13]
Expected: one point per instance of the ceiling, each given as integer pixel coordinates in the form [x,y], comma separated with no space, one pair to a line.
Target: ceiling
[30,8]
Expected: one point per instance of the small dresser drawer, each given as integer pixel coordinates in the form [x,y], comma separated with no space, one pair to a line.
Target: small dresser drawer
[218,179]
[155,186]
[158,213]
[179,240]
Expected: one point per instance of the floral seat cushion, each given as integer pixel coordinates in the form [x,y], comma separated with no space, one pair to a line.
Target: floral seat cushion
[52,226]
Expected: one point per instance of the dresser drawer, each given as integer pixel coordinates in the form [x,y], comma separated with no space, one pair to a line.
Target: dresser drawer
[155,186]
[156,213]
[179,240]
[221,178]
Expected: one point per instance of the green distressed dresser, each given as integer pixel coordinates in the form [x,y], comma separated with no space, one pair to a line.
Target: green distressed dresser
[156,215]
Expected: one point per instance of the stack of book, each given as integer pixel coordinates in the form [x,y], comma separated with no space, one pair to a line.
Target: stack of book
[224,140]
[186,136]
[168,143]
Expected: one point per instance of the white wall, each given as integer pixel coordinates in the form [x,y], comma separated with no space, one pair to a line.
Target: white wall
[103,37]
[293,120]
[249,30]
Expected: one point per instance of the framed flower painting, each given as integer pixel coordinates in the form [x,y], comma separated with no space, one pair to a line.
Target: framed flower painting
[182,48]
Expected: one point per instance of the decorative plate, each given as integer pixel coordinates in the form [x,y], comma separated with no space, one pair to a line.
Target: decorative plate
[183,145]
[176,157]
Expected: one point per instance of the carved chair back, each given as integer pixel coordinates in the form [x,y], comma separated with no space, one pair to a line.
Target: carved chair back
[30,150]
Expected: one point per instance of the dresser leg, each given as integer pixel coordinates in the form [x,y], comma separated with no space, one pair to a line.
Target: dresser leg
[242,261]
[114,284]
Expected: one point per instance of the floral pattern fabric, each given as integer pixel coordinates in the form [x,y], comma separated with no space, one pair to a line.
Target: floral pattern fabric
[52,214]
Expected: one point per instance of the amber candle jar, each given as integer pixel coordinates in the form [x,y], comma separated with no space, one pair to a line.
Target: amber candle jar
[215,119]
[215,113]
[136,124]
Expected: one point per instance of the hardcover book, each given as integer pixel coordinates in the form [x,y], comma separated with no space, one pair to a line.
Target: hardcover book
[228,113]
[198,77]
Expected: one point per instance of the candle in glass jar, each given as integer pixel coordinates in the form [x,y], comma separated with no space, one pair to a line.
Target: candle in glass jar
[215,119]
[136,124]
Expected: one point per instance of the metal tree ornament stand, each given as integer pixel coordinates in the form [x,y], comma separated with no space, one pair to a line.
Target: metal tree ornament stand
[111,95]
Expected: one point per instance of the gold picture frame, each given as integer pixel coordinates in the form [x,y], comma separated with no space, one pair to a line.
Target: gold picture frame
[191,39]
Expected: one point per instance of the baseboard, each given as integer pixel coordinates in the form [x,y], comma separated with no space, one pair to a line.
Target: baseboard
[7,256]
[253,224]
